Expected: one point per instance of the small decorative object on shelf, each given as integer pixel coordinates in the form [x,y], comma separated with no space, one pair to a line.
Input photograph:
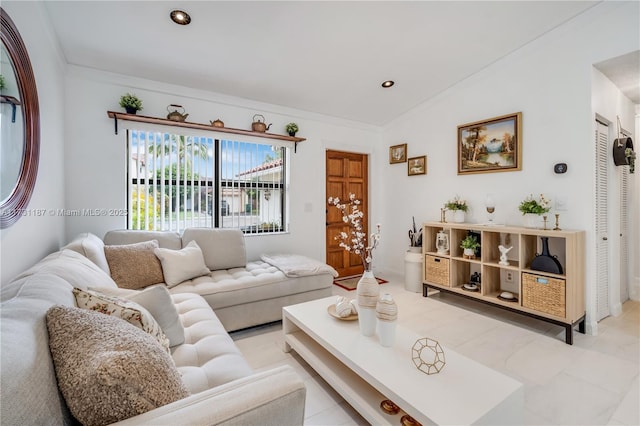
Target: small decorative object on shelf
[387,314]
[490,205]
[428,356]
[442,215]
[217,123]
[130,103]
[531,209]
[174,114]
[557,228]
[389,407]
[544,220]
[459,207]
[259,126]
[545,262]
[292,129]
[469,245]
[442,242]
[503,254]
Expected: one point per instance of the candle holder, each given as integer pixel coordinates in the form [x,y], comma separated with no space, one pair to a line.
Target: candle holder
[544,218]
[442,215]
[557,228]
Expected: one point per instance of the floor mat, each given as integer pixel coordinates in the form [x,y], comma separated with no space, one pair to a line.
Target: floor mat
[350,283]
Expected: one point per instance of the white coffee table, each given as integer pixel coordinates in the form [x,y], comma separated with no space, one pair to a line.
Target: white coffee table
[365,373]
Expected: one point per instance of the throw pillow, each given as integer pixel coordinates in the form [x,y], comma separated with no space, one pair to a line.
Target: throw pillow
[107,369]
[157,300]
[121,308]
[182,265]
[134,265]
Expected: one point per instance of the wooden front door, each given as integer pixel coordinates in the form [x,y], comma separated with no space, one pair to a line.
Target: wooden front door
[346,173]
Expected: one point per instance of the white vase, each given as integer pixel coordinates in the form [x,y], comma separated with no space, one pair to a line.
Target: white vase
[458,216]
[530,220]
[367,291]
[387,314]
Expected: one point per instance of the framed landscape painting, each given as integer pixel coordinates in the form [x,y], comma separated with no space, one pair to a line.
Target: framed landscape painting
[398,153]
[493,145]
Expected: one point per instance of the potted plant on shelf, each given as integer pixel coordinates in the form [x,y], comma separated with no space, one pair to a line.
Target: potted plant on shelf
[2,83]
[469,245]
[532,209]
[459,207]
[292,129]
[130,103]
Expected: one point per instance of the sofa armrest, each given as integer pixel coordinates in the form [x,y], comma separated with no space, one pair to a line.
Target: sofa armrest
[272,397]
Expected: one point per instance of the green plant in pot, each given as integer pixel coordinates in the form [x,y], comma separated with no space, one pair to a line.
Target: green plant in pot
[469,245]
[130,103]
[2,83]
[292,129]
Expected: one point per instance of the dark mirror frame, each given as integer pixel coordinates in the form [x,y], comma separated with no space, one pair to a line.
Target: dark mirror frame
[14,206]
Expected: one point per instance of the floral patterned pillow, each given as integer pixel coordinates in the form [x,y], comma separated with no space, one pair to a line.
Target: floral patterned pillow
[121,308]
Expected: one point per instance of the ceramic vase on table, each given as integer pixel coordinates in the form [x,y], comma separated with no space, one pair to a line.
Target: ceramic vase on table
[458,216]
[530,220]
[367,291]
[387,314]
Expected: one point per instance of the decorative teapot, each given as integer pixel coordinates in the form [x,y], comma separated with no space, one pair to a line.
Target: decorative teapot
[259,126]
[175,115]
[217,123]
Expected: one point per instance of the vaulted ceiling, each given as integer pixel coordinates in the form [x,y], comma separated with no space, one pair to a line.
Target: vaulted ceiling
[322,57]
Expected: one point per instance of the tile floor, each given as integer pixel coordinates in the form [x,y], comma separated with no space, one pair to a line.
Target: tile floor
[595,381]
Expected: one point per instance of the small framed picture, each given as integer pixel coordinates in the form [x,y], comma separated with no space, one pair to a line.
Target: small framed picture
[417,166]
[398,153]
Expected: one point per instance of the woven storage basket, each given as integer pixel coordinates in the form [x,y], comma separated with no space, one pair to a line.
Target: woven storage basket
[437,270]
[544,294]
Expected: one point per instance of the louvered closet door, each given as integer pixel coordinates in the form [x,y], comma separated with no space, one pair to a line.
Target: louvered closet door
[602,237]
[625,205]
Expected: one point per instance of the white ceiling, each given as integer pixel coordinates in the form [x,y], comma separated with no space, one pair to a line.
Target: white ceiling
[624,72]
[322,57]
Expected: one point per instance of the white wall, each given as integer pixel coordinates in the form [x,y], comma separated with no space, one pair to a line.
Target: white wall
[31,238]
[96,157]
[549,80]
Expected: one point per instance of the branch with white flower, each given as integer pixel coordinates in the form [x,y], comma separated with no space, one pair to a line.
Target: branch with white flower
[355,241]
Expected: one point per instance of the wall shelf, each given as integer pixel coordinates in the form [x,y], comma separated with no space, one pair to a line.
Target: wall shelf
[207,127]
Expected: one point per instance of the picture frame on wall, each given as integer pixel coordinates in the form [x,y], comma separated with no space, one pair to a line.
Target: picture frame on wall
[417,165]
[398,153]
[493,145]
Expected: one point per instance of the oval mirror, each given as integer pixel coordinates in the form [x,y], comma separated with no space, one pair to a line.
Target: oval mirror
[20,125]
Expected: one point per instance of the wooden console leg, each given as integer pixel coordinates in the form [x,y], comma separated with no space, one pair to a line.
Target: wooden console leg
[568,334]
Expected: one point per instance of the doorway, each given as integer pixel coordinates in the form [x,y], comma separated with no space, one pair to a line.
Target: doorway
[346,172]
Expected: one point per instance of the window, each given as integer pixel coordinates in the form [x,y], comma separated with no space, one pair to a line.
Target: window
[179,181]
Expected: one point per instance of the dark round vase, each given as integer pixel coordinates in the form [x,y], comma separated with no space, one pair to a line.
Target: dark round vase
[131,110]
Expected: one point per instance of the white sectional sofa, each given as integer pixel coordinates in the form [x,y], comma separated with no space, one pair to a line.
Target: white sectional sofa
[221,387]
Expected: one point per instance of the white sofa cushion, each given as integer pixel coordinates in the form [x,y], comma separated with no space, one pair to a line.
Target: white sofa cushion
[208,357]
[165,239]
[29,387]
[222,248]
[92,248]
[72,267]
[157,300]
[107,369]
[181,265]
[121,308]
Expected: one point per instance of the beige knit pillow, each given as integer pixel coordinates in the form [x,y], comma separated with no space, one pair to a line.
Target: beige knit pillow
[134,265]
[131,312]
[107,369]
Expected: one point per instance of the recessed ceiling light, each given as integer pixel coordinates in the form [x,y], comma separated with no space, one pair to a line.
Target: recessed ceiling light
[388,83]
[180,17]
